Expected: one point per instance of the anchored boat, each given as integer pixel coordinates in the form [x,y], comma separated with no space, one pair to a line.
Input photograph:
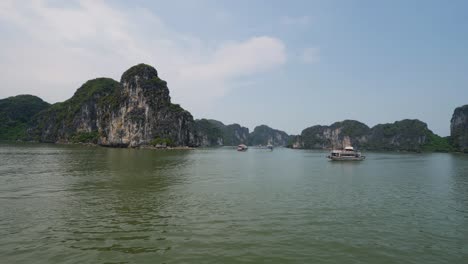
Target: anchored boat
[242,147]
[348,153]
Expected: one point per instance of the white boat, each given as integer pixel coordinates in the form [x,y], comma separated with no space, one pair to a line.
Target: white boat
[346,154]
[242,147]
[270,146]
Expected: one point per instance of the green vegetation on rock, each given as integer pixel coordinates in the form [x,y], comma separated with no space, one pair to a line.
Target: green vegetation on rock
[235,134]
[351,128]
[215,133]
[162,142]
[132,112]
[15,114]
[210,132]
[405,135]
[264,135]
[127,113]
[437,143]
[104,92]
[176,108]
[140,70]
[347,132]
[85,137]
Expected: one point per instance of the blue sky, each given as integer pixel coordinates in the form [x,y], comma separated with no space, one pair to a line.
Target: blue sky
[287,64]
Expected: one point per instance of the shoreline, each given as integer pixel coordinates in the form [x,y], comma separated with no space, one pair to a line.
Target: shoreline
[98,145]
[211,147]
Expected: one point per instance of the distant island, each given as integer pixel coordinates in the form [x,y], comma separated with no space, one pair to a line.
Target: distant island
[137,112]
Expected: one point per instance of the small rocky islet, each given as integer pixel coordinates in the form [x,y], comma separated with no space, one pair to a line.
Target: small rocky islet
[138,112]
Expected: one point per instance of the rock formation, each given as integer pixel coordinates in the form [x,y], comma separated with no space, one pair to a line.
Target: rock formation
[459,128]
[404,135]
[214,133]
[15,114]
[264,135]
[338,135]
[210,132]
[131,113]
[138,111]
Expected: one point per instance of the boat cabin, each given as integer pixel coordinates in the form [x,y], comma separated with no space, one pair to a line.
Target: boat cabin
[347,152]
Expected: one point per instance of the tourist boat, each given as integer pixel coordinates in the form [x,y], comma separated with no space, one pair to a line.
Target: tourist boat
[242,147]
[348,153]
[270,146]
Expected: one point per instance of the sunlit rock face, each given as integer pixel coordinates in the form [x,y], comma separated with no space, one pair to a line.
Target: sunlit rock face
[337,135]
[459,128]
[127,114]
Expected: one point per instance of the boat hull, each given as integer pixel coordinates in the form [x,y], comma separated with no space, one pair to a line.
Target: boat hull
[346,158]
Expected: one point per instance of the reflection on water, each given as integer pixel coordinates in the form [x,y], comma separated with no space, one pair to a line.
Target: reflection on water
[125,192]
[78,204]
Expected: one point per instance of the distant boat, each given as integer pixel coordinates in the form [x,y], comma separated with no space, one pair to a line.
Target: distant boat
[270,146]
[348,154]
[242,147]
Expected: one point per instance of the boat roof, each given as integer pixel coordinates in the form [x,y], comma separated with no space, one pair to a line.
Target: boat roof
[349,148]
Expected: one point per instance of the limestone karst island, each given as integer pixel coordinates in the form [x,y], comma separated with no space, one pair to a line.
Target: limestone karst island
[233,132]
[138,112]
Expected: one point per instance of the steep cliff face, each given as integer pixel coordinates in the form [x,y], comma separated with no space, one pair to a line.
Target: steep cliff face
[15,114]
[338,135]
[131,113]
[405,135]
[236,134]
[264,135]
[214,133]
[209,132]
[459,128]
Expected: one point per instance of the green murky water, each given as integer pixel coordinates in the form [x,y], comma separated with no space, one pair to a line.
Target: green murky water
[72,204]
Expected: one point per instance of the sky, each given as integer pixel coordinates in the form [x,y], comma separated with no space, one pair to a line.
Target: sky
[286,64]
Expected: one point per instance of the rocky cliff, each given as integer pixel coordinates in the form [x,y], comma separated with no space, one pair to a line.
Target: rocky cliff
[235,134]
[16,113]
[264,135]
[133,112]
[337,135]
[138,111]
[210,132]
[459,128]
[404,135]
[214,133]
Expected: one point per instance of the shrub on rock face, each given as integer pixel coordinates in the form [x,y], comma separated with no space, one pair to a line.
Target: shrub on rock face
[16,113]
[85,137]
[164,142]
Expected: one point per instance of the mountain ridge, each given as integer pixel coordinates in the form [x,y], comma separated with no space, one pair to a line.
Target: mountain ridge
[138,111]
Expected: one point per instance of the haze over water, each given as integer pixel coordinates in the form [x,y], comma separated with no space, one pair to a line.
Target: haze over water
[74,204]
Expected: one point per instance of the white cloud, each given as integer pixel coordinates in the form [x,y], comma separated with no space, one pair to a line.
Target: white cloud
[295,21]
[240,58]
[310,55]
[51,50]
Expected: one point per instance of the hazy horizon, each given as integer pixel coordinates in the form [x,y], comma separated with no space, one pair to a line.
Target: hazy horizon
[286,65]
